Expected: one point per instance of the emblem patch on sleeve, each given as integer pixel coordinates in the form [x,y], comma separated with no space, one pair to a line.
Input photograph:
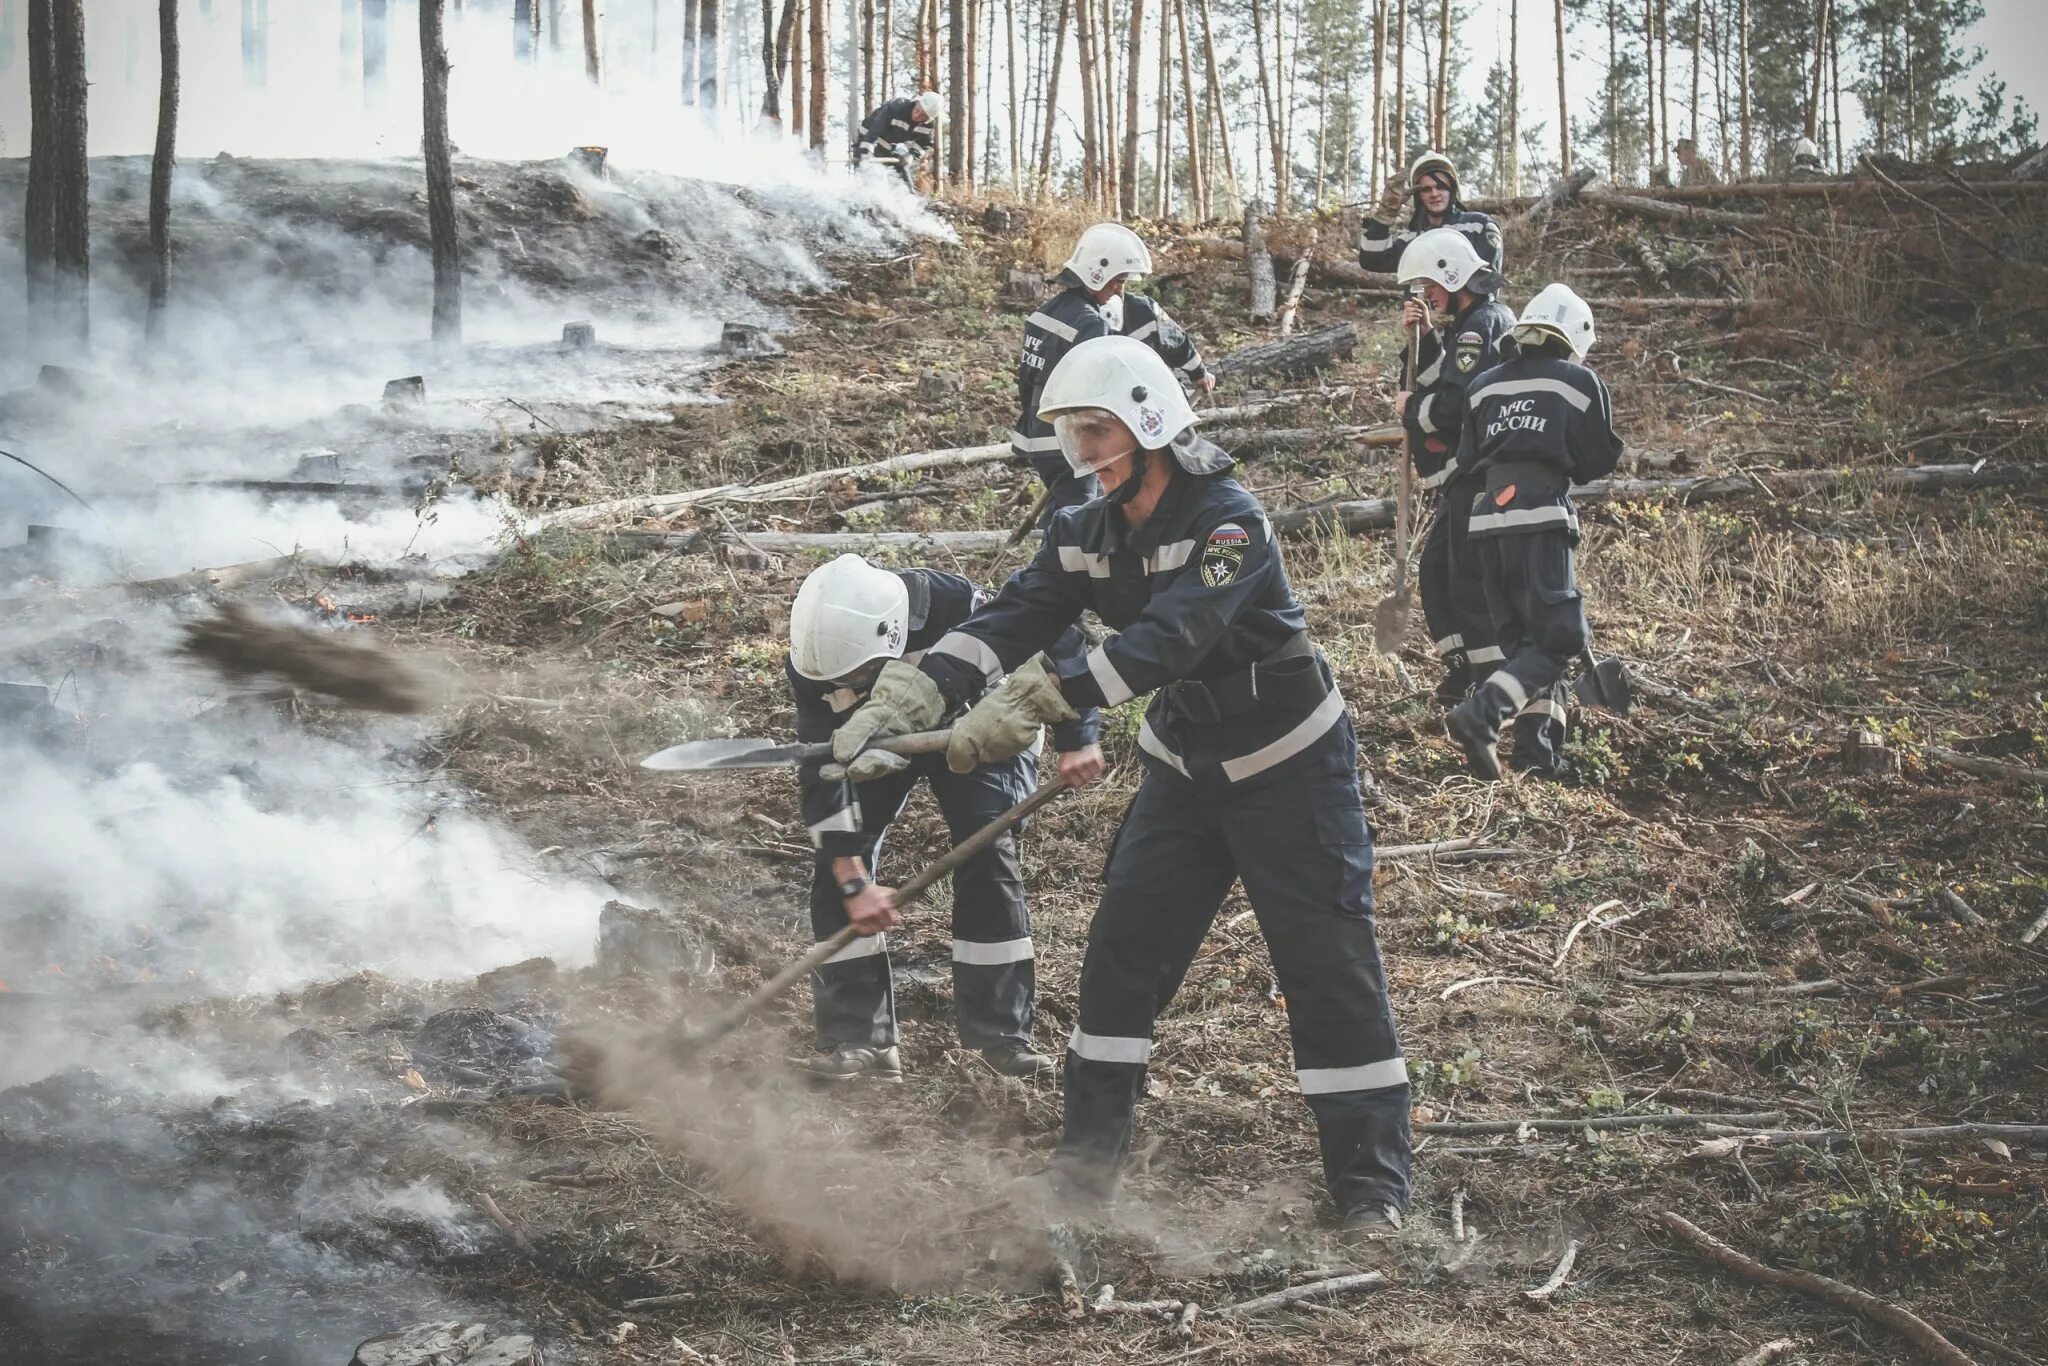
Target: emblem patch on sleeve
[1223,554]
[1470,347]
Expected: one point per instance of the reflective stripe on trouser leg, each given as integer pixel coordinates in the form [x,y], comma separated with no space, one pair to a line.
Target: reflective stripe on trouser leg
[1540,731]
[1167,875]
[1468,605]
[852,1000]
[1539,621]
[1304,851]
[994,981]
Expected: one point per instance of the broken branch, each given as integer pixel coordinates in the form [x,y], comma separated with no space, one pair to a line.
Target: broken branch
[1558,1276]
[1572,1126]
[1904,1322]
[1302,1294]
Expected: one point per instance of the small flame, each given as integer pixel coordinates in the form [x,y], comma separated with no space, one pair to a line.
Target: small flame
[325,604]
[360,618]
[4,987]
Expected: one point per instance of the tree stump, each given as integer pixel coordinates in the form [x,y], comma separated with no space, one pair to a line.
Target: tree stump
[996,221]
[1296,358]
[405,393]
[423,1344]
[579,336]
[1024,286]
[320,467]
[747,341]
[935,386]
[1865,752]
[632,941]
[589,160]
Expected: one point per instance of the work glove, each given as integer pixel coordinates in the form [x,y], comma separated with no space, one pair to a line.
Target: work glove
[1391,203]
[868,766]
[1006,721]
[902,702]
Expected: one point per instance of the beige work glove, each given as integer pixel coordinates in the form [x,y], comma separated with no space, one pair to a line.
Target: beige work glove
[903,701]
[1006,721]
[1391,203]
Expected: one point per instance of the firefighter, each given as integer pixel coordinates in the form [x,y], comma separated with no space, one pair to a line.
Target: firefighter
[903,131]
[1433,181]
[1093,303]
[850,619]
[1806,161]
[1250,772]
[1465,323]
[1534,425]
[1693,169]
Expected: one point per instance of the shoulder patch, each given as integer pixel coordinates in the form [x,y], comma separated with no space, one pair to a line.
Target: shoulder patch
[1471,345]
[1223,554]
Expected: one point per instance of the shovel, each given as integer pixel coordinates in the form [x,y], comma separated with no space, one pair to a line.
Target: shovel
[1603,683]
[689,1045]
[1390,616]
[711,756]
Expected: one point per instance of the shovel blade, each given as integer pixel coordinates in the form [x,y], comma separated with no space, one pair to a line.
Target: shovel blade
[707,756]
[1390,618]
[1605,684]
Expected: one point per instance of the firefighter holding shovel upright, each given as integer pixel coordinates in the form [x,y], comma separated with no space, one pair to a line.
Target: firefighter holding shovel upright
[1250,771]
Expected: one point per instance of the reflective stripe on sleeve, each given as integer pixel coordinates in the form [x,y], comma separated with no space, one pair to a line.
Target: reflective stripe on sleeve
[971,650]
[1075,560]
[1149,741]
[1048,323]
[867,946]
[1422,418]
[1372,1076]
[1034,445]
[992,955]
[1108,1048]
[1170,556]
[1114,689]
[1144,333]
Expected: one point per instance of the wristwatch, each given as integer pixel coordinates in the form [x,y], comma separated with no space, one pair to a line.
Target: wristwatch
[853,887]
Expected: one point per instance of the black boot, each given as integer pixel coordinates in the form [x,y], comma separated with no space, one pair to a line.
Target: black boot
[851,1062]
[1468,733]
[1017,1060]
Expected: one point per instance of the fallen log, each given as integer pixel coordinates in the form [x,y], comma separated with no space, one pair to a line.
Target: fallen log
[2033,1135]
[1857,188]
[590,515]
[1670,213]
[1296,358]
[1697,979]
[1301,1294]
[1674,1120]
[1904,1322]
[1988,768]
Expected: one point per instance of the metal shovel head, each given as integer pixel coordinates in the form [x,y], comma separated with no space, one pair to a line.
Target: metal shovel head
[706,756]
[1604,683]
[1390,617]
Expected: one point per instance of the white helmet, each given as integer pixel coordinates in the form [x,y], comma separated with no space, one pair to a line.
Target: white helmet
[1106,251]
[846,614]
[1433,159]
[930,103]
[1126,379]
[1447,256]
[1804,148]
[1558,312]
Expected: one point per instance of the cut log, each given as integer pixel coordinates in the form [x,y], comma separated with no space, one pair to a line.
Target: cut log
[747,342]
[1296,358]
[1259,266]
[1988,768]
[1665,212]
[1865,752]
[1697,979]
[1860,187]
[1295,284]
[1904,1322]
[579,336]
[1303,1294]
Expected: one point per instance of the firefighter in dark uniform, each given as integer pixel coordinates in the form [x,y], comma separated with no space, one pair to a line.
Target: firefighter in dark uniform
[1250,772]
[1535,425]
[1094,303]
[904,130]
[1466,324]
[1433,181]
[850,617]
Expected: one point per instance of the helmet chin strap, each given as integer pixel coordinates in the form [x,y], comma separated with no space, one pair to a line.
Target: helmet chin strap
[1128,490]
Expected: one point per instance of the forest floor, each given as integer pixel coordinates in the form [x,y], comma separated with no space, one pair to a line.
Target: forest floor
[1867,906]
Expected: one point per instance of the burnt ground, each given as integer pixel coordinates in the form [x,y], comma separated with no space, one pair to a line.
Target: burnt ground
[1875,914]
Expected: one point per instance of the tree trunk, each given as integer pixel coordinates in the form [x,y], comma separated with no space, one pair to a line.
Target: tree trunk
[887,43]
[799,92]
[441,224]
[376,51]
[1663,83]
[1698,7]
[1564,107]
[1400,166]
[1719,42]
[707,59]
[1216,107]
[1443,77]
[1514,180]
[859,14]
[1162,114]
[774,48]
[1270,108]
[1379,100]
[525,17]
[1052,96]
[689,81]
[1016,110]
[1649,88]
[973,138]
[819,57]
[60,273]
[1820,60]
[867,62]
[956,92]
[593,63]
[1835,68]
[1134,66]
[160,168]
[555,25]
[1091,152]
[255,69]
[1742,79]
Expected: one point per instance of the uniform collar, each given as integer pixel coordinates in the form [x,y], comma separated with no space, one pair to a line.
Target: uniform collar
[1166,519]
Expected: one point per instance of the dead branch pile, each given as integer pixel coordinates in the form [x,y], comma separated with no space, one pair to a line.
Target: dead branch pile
[356,673]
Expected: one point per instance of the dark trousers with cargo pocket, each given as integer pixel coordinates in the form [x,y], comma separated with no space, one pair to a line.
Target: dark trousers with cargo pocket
[1539,621]
[994,981]
[1453,598]
[1301,845]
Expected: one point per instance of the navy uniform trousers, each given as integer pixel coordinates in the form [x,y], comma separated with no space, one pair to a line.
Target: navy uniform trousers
[1539,619]
[994,977]
[1301,845]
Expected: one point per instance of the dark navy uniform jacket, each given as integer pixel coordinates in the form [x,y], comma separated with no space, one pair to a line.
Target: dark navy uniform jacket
[1534,426]
[1465,349]
[938,603]
[1069,318]
[1380,244]
[890,127]
[1196,593]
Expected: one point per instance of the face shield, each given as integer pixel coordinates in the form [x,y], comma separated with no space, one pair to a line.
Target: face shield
[1092,439]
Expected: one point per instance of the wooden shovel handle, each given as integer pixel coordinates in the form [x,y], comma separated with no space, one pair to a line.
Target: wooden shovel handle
[916,887]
